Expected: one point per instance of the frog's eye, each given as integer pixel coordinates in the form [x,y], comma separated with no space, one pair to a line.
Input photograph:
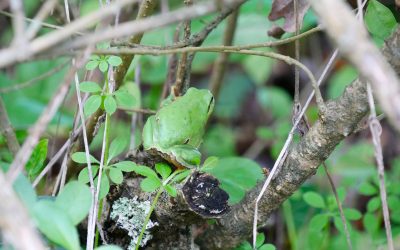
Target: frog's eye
[210,104]
[186,141]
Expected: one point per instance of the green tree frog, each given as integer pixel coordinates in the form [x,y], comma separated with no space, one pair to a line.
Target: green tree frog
[175,132]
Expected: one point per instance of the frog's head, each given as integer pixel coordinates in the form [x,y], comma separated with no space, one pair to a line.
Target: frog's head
[204,99]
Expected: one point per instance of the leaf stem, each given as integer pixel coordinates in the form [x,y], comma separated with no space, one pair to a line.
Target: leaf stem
[153,205]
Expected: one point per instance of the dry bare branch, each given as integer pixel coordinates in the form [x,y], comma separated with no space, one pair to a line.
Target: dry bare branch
[353,42]
[15,224]
[343,117]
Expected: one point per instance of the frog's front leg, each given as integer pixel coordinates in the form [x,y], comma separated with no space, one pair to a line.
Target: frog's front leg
[186,155]
[149,130]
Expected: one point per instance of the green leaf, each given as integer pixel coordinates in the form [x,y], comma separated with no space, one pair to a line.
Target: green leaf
[150,184]
[314,199]
[257,75]
[374,204]
[36,162]
[236,175]
[83,176]
[393,202]
[116,175]
[75,199]
[23,187]
[163,169]
[103,66]
[367,188]
[179,177]
[352,214]
[103,45]
[267,247]
[260,239]
[124,99]
[89,87]
[80,157]
[91,65]
[117,146]
[379,19]
[341,194]
[319,222]
[104,185]
[340,79]
[266,133]
[209,163]
[337,221]
[145,171]
[395,216]
[53,222]
[92,104]
[220,141]
[125,166]
[94,57]
[371,223]
[171,190]
[244,246]
[110,105]
[108,247]
[114,60]
[275,100]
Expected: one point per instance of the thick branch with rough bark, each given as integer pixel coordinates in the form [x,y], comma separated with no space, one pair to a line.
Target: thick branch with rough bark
[353,42]
[342,118]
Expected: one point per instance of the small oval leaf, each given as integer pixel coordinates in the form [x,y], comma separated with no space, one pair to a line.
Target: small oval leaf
[92,104]
[110,105]
[116,175]
[150,184]
[89,87]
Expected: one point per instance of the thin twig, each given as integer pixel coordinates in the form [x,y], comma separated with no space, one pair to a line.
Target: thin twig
[37,21]
[7,130]
[51,163]
[157,51]
[286,145]
[15,224]
[178,45]
[218,73]
[177,88]
[110,86]
[26,150]
[135,117]
[356,45]
[19,40]
[44,24]
[150,23]
[339,203]
[146,8]
[297,56]
[172,65]
[87,154]
[376,131]
[9,55]
[34,80]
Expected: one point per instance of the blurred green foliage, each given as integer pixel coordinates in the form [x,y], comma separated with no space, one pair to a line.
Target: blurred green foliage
[311,214]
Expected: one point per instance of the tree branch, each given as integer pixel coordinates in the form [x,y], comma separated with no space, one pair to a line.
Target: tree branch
[352,40]
[146,9]
[342,118]
[7,130]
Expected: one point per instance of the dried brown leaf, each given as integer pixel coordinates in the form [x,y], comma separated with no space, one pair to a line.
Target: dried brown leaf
[285,9]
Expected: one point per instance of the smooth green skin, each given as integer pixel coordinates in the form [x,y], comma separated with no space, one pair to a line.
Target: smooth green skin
[177,129]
